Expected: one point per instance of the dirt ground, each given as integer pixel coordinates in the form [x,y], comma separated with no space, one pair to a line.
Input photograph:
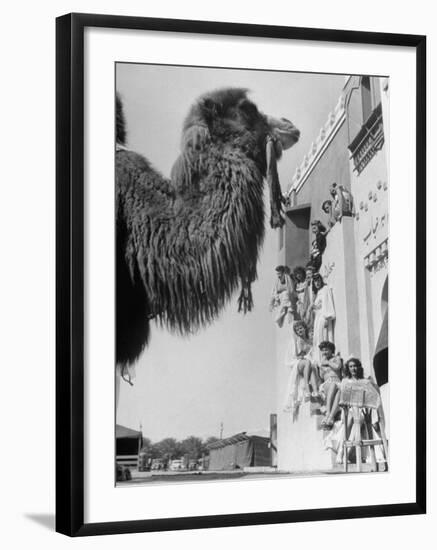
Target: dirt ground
[143,478]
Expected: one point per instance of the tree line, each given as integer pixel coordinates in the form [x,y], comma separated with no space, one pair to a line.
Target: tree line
[170,448]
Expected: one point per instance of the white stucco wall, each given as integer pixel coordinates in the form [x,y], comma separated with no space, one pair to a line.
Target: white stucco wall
[300,440]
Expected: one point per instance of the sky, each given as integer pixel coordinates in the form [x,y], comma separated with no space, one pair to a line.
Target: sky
[225,373]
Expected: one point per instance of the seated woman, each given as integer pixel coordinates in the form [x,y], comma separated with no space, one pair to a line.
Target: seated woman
[330,372]
[327,208]
[343,201]
[302,381]
[302,296]
[282,296]
[323,312]
[318,245]
[353,370]
[360,395]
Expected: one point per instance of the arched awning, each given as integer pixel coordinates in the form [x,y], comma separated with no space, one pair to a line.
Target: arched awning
[380,358]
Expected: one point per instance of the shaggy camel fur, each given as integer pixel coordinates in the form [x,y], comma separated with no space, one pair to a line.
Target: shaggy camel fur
[185,243]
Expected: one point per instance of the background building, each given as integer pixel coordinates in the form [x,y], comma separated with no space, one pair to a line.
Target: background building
[351,150]
[240,451]
[128,445]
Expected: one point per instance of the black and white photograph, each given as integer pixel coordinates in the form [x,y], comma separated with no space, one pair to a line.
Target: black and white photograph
[251,274]
[214,228]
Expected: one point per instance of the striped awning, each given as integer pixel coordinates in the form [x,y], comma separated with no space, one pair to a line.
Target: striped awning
[383,336]
[380,358]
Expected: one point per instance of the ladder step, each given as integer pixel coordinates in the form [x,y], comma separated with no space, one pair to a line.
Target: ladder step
[363,443]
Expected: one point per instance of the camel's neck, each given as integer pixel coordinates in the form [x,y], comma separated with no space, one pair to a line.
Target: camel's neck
[227,188]
[218,228]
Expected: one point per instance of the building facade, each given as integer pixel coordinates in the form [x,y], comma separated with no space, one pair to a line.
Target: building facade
[351,150]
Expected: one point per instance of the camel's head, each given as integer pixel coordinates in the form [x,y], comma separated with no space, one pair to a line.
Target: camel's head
[284,132]
[228,116]
[228,119]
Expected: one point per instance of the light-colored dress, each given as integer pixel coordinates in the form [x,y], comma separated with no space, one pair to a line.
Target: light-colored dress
[298,349]
[282,299]
[323,308]
[304,298]
[330,374]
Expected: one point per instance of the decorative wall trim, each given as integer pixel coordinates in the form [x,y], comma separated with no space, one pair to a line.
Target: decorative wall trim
[327,132]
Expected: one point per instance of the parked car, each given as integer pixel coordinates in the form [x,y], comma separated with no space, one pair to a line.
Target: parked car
[157,464]
[177,464]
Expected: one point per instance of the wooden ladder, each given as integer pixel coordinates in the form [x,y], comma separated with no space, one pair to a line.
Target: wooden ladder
[362,415]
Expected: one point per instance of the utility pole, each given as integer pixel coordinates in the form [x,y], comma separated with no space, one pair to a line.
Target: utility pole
[221,430]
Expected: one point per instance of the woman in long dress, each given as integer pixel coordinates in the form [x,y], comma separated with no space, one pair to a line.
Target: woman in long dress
[302,380]
[318,245]
[301,284]
[324,312]
[283,296]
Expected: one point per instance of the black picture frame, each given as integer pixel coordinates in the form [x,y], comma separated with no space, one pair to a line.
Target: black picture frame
[70,273]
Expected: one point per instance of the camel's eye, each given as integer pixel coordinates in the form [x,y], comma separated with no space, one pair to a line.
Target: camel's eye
[248,108]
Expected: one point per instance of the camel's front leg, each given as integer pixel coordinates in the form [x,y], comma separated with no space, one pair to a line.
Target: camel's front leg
[245,300]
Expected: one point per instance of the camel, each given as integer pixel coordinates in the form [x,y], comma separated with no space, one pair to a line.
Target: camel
[184,244]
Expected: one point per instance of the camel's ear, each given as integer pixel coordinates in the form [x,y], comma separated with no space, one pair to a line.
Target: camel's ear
[209,106]
[210,109]
[195,138]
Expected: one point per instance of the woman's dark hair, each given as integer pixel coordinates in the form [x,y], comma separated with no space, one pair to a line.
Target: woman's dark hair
[326,344]
[317,277]
[319,225]
[333,188]
[346,371]
[299,270]
[326,203]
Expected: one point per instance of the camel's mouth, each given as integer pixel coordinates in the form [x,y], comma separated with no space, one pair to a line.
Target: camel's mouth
[284,131]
